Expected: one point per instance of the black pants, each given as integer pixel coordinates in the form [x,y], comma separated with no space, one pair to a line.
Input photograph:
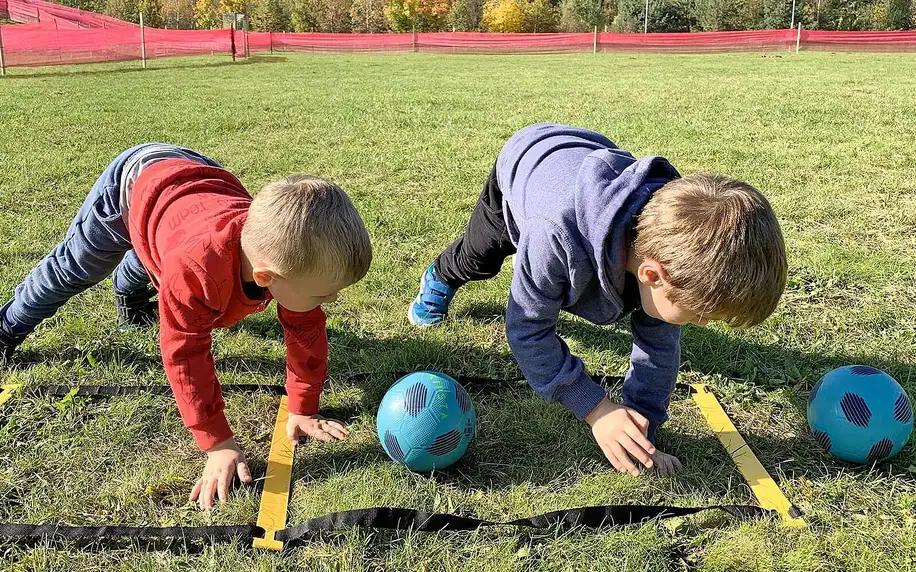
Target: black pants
[480,252]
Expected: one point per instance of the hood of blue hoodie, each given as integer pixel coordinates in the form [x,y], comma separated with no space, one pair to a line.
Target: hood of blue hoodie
[611,190]
[588,189]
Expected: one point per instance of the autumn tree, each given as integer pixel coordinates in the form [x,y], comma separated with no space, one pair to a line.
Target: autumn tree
[539,16]
[270,16]
[368,16]
[304,16]
[177,14]
[206,14]
[503,16]
[419,15]
[465,15]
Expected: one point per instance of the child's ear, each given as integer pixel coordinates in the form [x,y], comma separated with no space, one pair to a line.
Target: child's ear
[652,273]
[264,277]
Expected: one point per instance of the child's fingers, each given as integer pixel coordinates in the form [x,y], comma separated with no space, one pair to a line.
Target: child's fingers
[222,487]
[641,439]
[339,433]
[195,492]
[338,427]
[624,459]
[636,451]
[323,436]
[612,458]
[206,497]
[244,473]
[637,417]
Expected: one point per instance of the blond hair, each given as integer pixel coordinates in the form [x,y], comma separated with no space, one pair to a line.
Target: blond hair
[303,224]
[720,244]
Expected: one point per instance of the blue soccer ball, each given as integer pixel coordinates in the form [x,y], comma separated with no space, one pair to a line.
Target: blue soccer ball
[860,414]
[426,421]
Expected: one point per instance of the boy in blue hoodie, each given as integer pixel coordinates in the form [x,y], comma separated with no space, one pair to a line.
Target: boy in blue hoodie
[602,235]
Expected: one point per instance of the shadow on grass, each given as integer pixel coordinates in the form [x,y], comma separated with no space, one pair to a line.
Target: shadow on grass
[123,70]
[521,440]
[712,352]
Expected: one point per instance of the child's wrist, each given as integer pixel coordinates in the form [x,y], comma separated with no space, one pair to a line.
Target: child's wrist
[604,407]
[227,444]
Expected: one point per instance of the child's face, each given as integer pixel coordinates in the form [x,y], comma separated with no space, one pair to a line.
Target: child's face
[653,284]
[302,294]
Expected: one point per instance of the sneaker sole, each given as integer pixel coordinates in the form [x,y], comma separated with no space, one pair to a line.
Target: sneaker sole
[411,320]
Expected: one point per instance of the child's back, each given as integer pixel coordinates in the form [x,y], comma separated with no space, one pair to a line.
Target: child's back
[170,216]
[600,234]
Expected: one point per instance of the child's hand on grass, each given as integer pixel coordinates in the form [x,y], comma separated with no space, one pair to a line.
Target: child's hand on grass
[316,427]
[621,434]
[224,462]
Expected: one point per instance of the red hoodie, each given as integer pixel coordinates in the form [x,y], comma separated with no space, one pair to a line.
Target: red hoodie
[185,222]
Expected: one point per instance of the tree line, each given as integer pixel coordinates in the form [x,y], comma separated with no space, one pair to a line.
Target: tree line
[379,16]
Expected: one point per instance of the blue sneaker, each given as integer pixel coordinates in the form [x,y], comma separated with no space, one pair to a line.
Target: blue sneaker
[431,305]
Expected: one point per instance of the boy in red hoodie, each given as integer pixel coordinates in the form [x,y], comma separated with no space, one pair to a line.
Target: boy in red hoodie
[168,220]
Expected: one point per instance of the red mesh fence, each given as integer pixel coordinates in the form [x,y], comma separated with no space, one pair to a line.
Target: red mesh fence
[39,11]
[169,43]
[49,47]
[37,46]
[470,42]
[715,42]
[477,43]
[859,41]
[329,43]
[51,34]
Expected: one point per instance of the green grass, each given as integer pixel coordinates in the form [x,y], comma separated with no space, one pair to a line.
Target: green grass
[828,137]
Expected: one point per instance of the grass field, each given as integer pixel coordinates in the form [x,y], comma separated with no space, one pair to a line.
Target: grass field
[828,137]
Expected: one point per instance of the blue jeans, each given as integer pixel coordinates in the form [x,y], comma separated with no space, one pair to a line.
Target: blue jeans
[97,244]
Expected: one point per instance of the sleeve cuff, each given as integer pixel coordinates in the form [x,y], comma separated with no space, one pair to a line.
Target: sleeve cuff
[580,396]
[306,404]
[212,433]
[650,434]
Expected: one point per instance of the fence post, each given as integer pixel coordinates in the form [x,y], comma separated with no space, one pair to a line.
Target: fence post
[142,42]
[645,29]
[232,41]
[595,41]
[245,35]
[2,61]
[270,38]
[798,38]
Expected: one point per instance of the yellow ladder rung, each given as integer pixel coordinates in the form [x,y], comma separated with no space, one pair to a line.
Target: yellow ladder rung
[8,391]
[762,484]
[275,498]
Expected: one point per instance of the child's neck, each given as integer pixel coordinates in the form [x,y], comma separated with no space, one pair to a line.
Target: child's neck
[633,261]
[245,267]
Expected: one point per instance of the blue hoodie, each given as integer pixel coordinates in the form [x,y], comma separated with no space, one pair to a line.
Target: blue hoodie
[570,200]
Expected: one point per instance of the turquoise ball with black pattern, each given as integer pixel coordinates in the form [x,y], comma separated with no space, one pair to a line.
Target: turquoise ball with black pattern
[860,414]
[426,421]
